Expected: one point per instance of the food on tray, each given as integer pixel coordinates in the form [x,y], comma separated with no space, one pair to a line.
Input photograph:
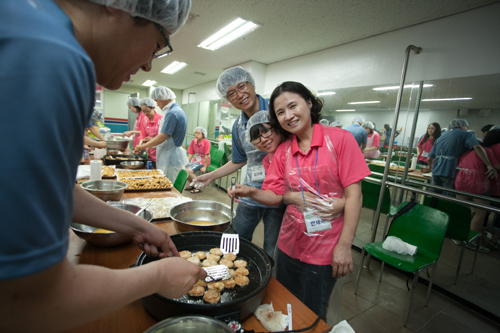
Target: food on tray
[216,285]
[230,256]
[194,260]
[242,271]
[209,263]
[153,183]
[240,263]
[108,171]
[213,257]
[159,206]
[200,254]
[102,231]
[229,283]
[226,262]
[216,251]
[141,173]
[400,168]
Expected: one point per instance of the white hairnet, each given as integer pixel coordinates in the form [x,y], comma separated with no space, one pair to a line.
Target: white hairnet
[337,123]
[162,94]
[133,101]
[230,77]
[324,122]
[171,14]
[495,127]
[148,102]
[202,130]
[261,117]
[457,123]
[368,124]
[358,119]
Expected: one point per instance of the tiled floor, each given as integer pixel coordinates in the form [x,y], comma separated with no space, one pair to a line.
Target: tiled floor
[381,307]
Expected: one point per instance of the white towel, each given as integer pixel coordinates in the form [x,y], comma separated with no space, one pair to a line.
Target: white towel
[273,321]
[342,327]
[395,244]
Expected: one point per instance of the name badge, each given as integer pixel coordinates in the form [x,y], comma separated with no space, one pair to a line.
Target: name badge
[425,154]
[314,223]
[257,173]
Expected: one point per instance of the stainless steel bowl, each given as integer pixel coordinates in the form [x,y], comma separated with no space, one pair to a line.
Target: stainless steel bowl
[188,324]
[132,164]
[200,210]
[117,144]
[107,190]
[111,239]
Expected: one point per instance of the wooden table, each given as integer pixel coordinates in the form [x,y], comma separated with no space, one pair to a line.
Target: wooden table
[133,317]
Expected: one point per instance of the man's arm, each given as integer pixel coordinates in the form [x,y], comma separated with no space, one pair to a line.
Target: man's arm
[363,147]
[155,141]
[96,132]
[265,197]
[223,171]
[430,161]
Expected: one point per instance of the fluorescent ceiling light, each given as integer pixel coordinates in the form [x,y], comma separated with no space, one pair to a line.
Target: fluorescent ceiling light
[366,102]
[148,83]
[346,110]
[406,86]
[447,99]
[230,32]
[326,93]
[174,67]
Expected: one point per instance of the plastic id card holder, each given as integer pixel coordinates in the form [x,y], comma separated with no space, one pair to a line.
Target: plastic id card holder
[257,173]
[314,223]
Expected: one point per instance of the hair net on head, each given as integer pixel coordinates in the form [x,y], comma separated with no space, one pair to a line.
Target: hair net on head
[368,124]
[358,119]
[171,14]
[261,117]
[148,102]
[324,122]
[133,101]
[457,123]
[202,130]
[162,94]
[230,77]
[495,127]
[337,123]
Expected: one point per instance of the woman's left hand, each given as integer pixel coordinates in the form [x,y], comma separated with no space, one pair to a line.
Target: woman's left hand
[155,242]
[327,208]
[342,260]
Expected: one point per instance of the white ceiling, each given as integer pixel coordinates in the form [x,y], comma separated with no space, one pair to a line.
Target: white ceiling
[289,28]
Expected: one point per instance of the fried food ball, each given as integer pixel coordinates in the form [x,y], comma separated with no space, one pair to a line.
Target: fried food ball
[212,296]
[194,260]
[241,280]
[240,263]
[185,254]
[216,285]
[200,254]
[230,256]
[226,262]
[229,283]
[197,291]
[242,271]
[232,272]
[213,257]
[209,263]
[216,251]
[201,283]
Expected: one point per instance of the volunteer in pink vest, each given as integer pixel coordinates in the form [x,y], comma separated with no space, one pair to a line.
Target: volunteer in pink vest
[133,104]
[372,142]
[149,125]
[198,156]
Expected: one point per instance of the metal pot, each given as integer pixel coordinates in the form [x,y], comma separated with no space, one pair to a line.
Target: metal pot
[235,305]
[107,190]
[117,144]
[200,210]
[190,324]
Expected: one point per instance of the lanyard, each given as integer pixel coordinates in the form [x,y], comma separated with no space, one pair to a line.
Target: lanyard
[155,128]
[315,178]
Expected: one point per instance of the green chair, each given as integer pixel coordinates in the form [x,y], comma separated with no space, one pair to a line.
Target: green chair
[376,168]
[422,226]
[181,180]
[217,159]
[459,227]
[371,193]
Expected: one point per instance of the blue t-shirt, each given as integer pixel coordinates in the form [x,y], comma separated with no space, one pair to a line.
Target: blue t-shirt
[238,153]
[358,132]
[447,150]
[44,68]
[175,124]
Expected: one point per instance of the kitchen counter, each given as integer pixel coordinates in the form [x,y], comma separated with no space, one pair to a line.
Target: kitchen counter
[133,317]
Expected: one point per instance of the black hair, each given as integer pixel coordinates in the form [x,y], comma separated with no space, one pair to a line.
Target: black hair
[256,130]
[437,132]
[491,138]
[299,89]
[486,128]
[140,21]
[137,108]
[371,131]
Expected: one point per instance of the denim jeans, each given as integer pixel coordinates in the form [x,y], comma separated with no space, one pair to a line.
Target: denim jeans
[312,284]
[444,182]
[248,217]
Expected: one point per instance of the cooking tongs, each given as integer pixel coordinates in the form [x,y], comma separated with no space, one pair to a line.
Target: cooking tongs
[230,241]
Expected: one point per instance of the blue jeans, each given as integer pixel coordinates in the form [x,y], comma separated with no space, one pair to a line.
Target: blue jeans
[248,217]
[444,182]
[194,166]
[312,284]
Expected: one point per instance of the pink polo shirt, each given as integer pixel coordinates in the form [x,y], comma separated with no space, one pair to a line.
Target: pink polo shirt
[199,150]
[266,161]
[471,176]
[495,183]
[339,164]
[151,128]
[425,149]
[137,127]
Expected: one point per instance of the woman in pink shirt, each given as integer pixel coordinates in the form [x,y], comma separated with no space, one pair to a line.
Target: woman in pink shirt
[492,141]
[134,106]
[149,125]
[318,165]
[373,141]
[198,156]
[427,142]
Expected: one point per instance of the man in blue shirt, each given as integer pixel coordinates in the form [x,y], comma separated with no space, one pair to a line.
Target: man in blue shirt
[444,157]
[238,87]
[387,133]
[358,132]
[53,52]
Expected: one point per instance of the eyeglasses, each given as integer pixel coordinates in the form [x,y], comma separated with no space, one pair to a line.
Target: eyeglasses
[263,135]
[233,94]
[167,49]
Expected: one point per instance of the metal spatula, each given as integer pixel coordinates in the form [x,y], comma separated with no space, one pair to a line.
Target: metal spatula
[230,241]
[219,272]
